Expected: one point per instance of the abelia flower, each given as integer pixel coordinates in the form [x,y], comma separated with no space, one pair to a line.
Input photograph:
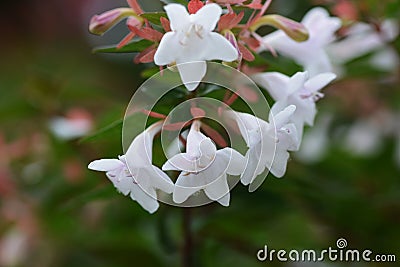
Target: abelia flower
[301,90]
[310,54]
[268,142]
[134,174]
[192,40]
[203,167]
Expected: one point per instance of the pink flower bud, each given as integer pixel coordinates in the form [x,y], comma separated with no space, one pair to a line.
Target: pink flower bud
[293,29]
[99,24]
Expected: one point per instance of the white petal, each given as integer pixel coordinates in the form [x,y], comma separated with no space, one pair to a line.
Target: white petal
[250,172]
[218,47]
[318,82]
[297,81]
[218,189]
[208,16]
[283,117]
[123,184]
[180,162]
[288,138]
[139,153]
[278,167]
[319,63]
[186,185]
[168,49]
[277,84]
[148,200]
[236,161]
[177,15]
[105,165]
[192,73]
[159,179]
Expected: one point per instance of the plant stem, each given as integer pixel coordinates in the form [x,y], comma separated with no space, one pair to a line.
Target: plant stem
[187,250]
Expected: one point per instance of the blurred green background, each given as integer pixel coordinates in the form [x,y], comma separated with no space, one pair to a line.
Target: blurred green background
[55,212]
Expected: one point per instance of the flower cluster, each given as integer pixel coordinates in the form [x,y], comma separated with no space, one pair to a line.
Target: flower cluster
[222,30]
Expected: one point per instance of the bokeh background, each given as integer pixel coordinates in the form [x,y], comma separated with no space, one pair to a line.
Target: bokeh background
[55,213]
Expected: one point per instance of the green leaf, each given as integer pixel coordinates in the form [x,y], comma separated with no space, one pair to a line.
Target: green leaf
[154,17]
[137,45]
[102,131]
[183,2]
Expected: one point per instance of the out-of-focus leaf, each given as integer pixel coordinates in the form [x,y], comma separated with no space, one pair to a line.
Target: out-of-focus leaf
[154,17]
[137,45]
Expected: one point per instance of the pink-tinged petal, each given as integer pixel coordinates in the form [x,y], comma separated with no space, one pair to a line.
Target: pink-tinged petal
[167,50]
[218,189]
[208,17]
[318,82]
[192,73]
[148,200]
[177,15]
[277,84]
[218,47]
[105,165]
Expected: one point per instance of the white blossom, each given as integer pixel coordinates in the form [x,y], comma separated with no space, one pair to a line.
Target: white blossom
[310,54]
[203,167]
[268,142]
[133,174]
[192,40]
[300,90]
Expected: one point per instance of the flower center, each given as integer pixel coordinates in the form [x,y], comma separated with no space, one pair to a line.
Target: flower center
[193,29]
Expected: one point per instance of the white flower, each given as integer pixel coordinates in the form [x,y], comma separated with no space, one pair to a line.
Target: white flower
[298,90]
[311,54]
[192,41]
[268,143]
[134,173]
[203,167]
[363,38]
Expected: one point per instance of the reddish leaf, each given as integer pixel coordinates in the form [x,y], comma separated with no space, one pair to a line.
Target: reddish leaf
[214,135]
[194,6]
[135,6]
[197,113]
[126,40]
[147,33]
[246,54]
[146,56]
[256,4]
[230,2]
[251,42]
[165,24]
[247,93]
[177,126]
[229,21]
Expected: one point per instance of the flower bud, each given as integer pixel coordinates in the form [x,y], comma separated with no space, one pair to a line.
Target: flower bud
[293,29]
[99,24]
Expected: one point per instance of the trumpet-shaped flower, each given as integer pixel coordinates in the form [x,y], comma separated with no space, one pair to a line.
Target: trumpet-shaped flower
[192,40]
[133,174]
[311,54]
[268,143]
[203,167]
[299,90]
